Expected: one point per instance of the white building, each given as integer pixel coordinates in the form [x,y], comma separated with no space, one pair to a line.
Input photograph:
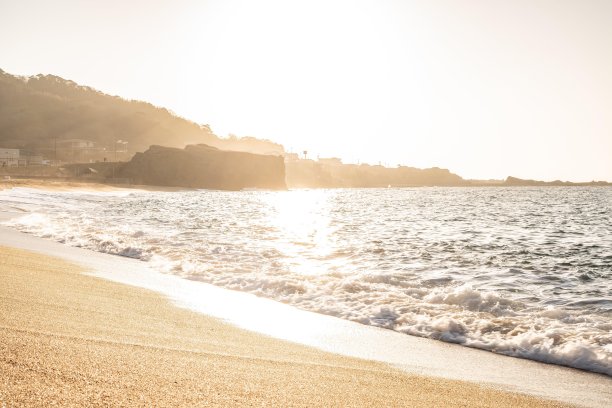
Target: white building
[9,157]
[77,144]
[80,150]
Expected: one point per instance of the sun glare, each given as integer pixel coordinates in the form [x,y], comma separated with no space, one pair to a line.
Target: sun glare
[302,220]
[368,81]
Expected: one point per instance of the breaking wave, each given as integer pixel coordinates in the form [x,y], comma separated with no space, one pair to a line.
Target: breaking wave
[520,272]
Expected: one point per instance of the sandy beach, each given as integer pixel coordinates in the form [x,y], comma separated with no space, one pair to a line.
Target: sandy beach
[51,184]
[54,184]
[71,339]
[306,204]
[87,328]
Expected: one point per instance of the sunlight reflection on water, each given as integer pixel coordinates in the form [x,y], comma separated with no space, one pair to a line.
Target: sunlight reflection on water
[525,272]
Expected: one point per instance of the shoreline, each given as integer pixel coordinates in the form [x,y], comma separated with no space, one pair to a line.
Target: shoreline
[69,338]
[59,184]
[414,356]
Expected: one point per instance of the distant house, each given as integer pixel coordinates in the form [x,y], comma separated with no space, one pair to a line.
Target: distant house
[75,144]
[17,157]
[9,157]
[29,158]
[289,157]
[77,150]
[35,160]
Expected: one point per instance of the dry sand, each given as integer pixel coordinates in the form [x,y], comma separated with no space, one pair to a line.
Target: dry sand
[53,184]
[69,339]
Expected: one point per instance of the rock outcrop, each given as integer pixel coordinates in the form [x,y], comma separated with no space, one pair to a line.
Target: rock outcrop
[203,166]
[517,182]
[313,174]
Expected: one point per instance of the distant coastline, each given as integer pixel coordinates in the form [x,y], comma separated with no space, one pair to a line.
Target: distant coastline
[54,128]
[70,183]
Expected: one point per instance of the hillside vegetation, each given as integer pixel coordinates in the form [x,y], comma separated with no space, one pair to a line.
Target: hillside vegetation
[38,111]
[41,114]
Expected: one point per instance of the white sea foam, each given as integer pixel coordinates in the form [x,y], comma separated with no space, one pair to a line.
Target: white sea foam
[504,274]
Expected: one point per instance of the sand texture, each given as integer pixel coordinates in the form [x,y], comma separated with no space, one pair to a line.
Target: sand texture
[53,184]
[68,339]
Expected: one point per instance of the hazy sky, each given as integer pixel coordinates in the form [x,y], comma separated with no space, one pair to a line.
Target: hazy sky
[486,88]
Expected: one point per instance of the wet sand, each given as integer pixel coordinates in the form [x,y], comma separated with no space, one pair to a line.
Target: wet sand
[71,339]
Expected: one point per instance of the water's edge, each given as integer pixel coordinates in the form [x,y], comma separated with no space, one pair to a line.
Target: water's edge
[494,270]
[411,354]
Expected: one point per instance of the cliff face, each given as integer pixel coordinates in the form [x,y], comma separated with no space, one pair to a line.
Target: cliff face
[202,166]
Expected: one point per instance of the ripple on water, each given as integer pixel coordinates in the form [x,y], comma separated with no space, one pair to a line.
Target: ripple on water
[523,272]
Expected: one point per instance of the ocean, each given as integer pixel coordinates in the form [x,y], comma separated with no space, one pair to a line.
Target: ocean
[525,272]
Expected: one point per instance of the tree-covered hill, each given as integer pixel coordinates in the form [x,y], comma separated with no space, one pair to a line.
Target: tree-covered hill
[38,111]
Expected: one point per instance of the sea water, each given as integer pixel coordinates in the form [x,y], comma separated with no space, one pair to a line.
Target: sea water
[525,272]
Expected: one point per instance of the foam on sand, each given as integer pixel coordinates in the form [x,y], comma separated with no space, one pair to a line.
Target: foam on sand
[441,264]
[93,342]
[413,355]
